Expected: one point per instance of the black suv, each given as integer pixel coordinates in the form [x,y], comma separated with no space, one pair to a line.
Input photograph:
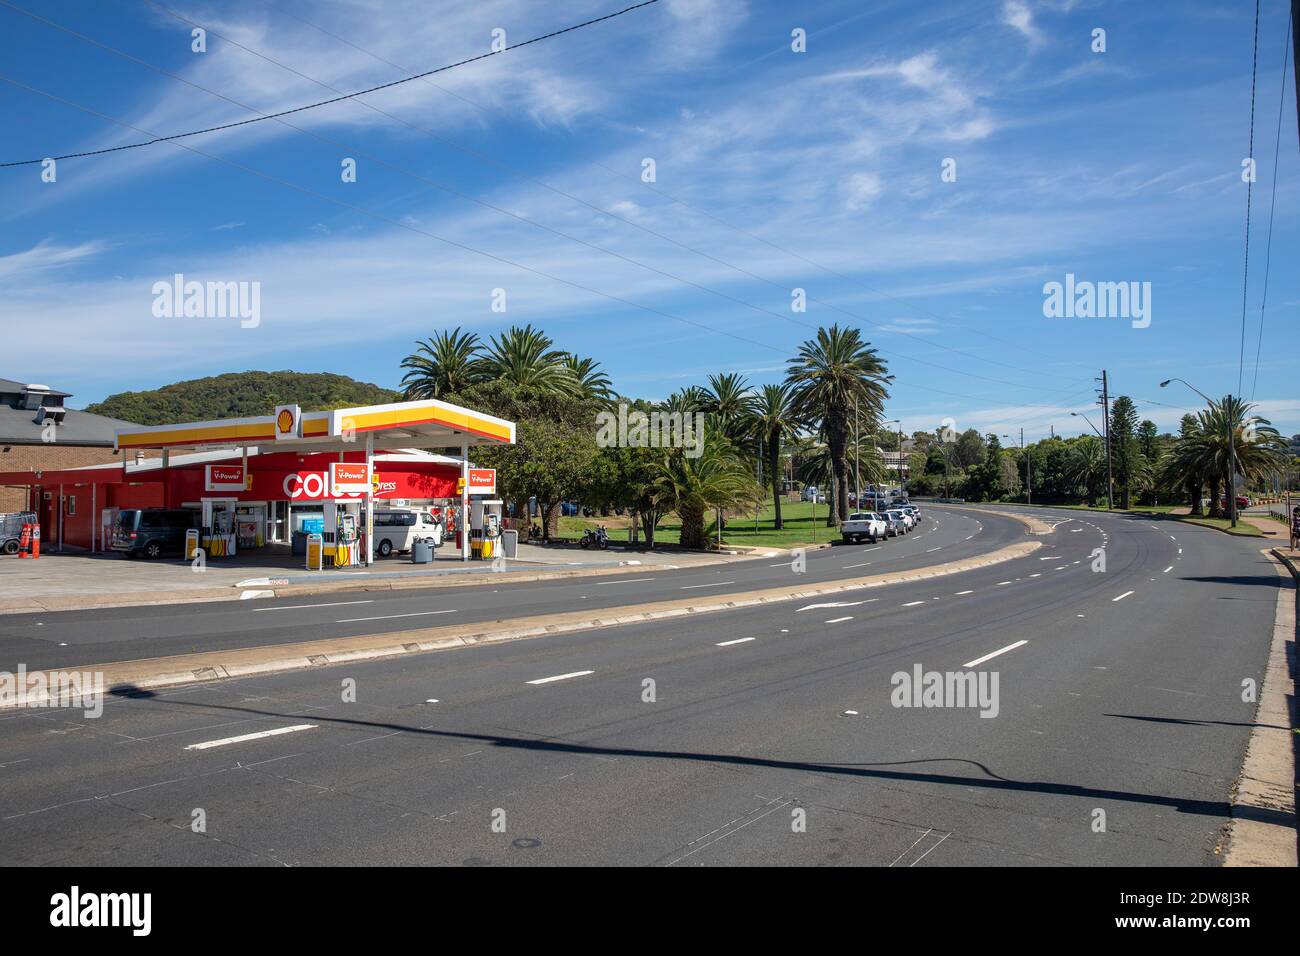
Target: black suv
[152,532]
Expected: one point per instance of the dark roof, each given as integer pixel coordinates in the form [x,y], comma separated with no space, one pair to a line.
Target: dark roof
[18,427]
[8,385]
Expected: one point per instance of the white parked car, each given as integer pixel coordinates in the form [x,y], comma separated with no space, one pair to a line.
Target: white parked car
[908,521]
[863,524]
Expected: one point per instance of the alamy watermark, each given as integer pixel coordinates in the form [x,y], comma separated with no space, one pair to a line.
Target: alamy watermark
[179,299]
[1085,299]
[920,688]
[657,429]
[76,689]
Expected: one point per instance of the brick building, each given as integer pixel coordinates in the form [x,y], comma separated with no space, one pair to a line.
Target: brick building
[38,433]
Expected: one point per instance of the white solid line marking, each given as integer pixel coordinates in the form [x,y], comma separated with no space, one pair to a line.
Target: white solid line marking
[913,603]
[965,592]
[715,584]
[838,620]
[862,565]
[739,640]
[626,581]
[257,736]
[547,680]
[1121,597]
[385,617]
[1001,650]
[1167,570]
[297,607]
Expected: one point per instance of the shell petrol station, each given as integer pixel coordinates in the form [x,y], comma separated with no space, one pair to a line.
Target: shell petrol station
[312,481]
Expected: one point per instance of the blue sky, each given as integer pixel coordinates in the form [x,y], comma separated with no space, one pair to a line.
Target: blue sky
[774,170]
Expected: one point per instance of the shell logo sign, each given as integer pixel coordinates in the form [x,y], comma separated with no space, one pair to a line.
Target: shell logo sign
[288,422]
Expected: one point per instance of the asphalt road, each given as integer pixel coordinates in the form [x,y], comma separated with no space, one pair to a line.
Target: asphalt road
[105,635]
[770,739]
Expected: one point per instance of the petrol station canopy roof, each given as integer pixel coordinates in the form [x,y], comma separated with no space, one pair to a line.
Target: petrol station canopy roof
[425,424]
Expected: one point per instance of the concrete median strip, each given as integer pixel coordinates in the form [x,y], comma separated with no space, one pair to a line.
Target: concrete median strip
[161,672]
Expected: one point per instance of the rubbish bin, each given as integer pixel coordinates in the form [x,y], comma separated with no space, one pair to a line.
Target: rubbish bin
[421,552]
[509,543]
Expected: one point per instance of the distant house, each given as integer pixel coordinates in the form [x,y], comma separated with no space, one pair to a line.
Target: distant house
[38,432]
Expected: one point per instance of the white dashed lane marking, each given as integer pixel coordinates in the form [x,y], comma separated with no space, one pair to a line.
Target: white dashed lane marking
[1121,597]
[988,657]
[739,640]
[547,680]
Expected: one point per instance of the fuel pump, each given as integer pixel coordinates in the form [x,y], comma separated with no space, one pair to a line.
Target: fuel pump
[485,527]
[342,521]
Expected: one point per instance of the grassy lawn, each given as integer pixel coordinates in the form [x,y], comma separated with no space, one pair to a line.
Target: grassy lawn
[739,531]
[1243,528]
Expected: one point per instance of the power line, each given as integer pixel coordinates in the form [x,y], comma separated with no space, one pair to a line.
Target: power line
[1272,203]
[312,106]
[1250,182]
[278,117]
[410,228]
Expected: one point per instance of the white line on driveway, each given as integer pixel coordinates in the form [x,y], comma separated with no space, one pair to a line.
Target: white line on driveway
[739,640]
[715,584]
[1121,597]
[257,736]
[384,617]
[547,680]
[298,607]
[988,657]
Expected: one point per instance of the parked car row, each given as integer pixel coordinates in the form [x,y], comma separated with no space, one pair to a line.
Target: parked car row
[875,525]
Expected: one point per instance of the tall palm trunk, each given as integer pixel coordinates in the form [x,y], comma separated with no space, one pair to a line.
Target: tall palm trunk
[1215,510]
[774,469]
[1196,486]
[837,445]
[692,517]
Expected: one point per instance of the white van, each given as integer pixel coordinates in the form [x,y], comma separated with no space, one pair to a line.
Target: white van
[396,529]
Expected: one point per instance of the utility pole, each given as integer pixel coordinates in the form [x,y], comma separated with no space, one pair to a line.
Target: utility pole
[1029,470]
[1105,404]
[857,458]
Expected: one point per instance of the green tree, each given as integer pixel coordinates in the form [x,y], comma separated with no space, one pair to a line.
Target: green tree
[525,357]
[441,365]
[718,477]
[832,377]
[1124,448]
[772,422]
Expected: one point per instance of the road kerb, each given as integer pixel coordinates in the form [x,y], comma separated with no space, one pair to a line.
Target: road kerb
[1262,831]
[203,666]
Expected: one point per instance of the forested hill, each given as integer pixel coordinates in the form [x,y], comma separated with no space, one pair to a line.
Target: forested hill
[240,395]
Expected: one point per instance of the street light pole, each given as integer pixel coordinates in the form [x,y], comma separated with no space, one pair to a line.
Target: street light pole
[1231,491]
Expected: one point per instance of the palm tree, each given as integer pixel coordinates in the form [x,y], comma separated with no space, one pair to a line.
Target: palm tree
[772,421]
[442,365]
[1086,467]
[524,357]
[728,397]
[1235,442]
[1184,464]
[592,383]
[716,478]
[829,377]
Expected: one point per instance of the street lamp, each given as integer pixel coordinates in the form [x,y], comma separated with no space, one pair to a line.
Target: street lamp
[899,422]
[1109,500]
[1231,491]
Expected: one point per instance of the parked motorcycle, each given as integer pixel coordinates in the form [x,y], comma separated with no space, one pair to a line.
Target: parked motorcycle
[598,537]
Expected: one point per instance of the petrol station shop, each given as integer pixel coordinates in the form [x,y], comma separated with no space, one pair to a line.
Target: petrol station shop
[272,481]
